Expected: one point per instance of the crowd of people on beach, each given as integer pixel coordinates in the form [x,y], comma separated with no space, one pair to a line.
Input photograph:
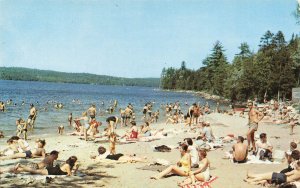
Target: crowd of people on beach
[194,163]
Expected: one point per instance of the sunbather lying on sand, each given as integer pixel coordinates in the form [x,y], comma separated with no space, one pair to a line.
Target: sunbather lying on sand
[103,154]
[274,177]
[69,168]
[39,151]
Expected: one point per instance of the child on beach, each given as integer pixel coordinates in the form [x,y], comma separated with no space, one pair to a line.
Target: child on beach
[21,128]
[112,143]
[70,118]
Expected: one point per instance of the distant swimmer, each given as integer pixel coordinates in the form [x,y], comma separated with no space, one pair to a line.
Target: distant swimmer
[32,116]
[2,106]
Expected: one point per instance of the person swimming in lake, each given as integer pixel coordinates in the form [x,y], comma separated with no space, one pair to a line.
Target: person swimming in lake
[69,168]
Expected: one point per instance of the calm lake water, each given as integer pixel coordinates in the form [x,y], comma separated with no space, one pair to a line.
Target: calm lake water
[45,95]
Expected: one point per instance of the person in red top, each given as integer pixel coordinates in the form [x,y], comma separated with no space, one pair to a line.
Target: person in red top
[133,132]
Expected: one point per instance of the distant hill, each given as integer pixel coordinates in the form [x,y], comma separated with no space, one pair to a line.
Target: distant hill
[26,74]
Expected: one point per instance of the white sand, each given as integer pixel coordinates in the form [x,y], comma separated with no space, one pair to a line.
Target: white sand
[127,175]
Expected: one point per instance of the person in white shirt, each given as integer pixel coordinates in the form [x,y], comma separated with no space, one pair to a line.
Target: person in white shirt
[193,152]
[264,148]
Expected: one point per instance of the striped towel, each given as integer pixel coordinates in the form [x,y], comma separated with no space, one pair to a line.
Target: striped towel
[200,184]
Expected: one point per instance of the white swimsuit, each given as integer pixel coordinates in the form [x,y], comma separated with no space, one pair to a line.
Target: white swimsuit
[206,173]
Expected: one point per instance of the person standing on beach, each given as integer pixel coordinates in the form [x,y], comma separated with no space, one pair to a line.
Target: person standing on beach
[32,116]
[70,118]
[92,112]
[254,117]
[190,113]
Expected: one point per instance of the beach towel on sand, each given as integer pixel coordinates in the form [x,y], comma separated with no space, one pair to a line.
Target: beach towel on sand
[200,184]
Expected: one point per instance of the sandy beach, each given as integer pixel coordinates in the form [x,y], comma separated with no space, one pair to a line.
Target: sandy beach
[95,173]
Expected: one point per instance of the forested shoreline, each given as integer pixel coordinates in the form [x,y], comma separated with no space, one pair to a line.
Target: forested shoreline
[26,74]
[270,72]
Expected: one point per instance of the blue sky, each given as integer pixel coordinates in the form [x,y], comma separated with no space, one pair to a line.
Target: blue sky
[133,38]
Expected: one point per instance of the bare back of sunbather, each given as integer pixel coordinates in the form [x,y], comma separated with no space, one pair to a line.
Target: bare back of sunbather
[240,152]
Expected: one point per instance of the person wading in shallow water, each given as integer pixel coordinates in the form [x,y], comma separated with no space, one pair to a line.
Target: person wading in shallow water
[254,117]
[32,116]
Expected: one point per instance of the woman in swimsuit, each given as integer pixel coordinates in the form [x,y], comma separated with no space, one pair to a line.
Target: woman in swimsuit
[146,130]
[65,169]
[201,174]
[275,178]
[133,132]
[183,167]
[39,151]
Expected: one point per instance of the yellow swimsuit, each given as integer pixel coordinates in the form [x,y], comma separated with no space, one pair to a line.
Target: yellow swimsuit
[185,164]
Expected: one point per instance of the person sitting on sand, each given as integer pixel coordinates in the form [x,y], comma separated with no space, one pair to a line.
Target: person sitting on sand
[293,158]
[132,133]
[70,167]
[193,152]
[264,148]
[240,151]
[182,168]
[274,177]
[103,154]
[293,146]
[207,132]
[173,119]
[146,130]
[39,151]
[94,128]
[201,174]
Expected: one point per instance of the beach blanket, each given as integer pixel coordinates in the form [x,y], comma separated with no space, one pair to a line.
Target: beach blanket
[200,184]
[252,159]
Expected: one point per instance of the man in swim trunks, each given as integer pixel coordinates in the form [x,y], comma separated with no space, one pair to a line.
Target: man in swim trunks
[240,151]
[32,116]
[92,112]
[254,117]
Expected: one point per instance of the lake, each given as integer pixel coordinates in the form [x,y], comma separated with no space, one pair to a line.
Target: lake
[77,98]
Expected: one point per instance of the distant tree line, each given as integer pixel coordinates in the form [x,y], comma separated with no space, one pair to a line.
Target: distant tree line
[17,73]
[270,72]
